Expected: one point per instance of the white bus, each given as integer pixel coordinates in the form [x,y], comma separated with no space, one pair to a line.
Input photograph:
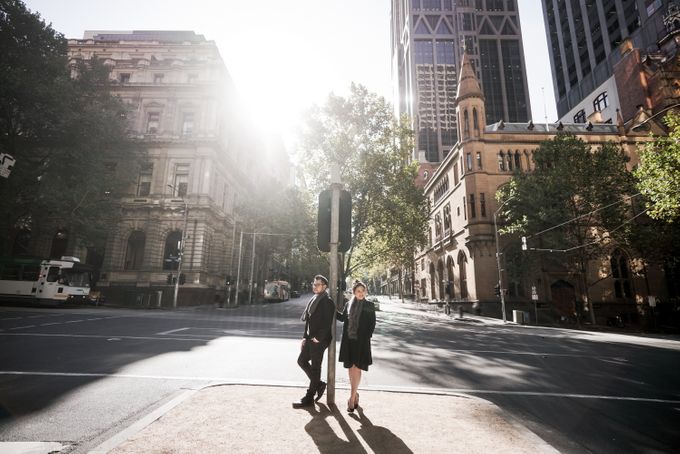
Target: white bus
[276,291]
[44,281]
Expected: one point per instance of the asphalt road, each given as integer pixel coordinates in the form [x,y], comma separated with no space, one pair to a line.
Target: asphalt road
[80,375]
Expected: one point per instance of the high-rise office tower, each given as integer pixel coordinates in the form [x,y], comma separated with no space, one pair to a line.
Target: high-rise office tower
[428,38]
[588,40]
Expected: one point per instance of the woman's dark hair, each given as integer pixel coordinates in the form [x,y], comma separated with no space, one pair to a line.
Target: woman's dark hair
[357,283]
[321,278]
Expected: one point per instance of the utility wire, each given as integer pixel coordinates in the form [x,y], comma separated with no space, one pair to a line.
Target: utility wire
[584,215]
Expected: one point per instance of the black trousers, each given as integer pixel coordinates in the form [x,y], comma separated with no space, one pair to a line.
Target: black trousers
[310,360]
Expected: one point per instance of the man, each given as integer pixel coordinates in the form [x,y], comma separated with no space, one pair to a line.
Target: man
[318,317]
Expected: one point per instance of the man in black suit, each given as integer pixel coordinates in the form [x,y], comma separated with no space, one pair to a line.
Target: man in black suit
[318,317]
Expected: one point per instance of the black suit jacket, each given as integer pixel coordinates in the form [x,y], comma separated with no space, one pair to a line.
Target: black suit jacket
[319,323]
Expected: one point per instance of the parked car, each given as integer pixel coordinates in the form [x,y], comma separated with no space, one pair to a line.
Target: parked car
[375,302]
[294,294]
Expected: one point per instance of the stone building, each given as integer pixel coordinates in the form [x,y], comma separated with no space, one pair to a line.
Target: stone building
[460,262]
[203,160]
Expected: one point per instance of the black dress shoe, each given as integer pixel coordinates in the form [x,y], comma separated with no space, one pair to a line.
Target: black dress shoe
[320,390]
[304,402]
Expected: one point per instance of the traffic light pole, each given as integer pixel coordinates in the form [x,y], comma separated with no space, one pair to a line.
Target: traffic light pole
[335,233]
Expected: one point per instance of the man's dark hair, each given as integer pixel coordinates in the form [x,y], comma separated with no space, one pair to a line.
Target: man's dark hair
[321,278]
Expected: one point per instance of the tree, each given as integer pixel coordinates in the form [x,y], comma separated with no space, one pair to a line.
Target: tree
[659,172]
[372,149]
[67,134]
[573,205]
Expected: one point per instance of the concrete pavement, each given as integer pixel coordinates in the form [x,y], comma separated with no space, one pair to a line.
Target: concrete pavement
[260,419]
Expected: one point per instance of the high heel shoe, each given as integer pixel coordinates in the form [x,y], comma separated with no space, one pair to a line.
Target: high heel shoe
[356,402]
[350,408]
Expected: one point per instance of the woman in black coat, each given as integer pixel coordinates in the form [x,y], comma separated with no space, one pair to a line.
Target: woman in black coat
[355,348]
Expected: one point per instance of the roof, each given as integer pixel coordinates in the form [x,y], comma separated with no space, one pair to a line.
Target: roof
[575,128]
[166,36]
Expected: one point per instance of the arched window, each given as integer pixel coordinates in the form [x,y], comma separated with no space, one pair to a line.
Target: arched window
[134,253]
[462,273]
[510,160]
[501,161]
[171,254]
[450,291]
[22,242]
[621,274]
[475,120]
[59,243]
[466,123]
[518,163]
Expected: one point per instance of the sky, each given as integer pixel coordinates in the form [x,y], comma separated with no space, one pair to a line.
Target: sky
[285,56]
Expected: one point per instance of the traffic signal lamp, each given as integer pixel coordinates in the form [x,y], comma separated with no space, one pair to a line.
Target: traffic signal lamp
[324,221]
[168,278]
[227,280]
[497,290]
[182,279]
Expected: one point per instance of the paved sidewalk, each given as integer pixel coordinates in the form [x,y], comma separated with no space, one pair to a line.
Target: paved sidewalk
[260,419]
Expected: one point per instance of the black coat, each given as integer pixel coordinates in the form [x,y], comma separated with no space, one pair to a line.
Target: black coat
[358,351]
[319,323]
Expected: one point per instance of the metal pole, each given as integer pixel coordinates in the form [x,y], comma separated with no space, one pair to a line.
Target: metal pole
[252,268]
[181,253]
[231,263]
[498,264]
[335,233]
[238,272]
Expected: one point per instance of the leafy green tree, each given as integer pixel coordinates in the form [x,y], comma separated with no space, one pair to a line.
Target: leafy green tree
[65,130]
[572,206]
[659,173]
[371,147]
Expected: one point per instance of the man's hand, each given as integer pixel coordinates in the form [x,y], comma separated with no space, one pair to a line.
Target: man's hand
[315,340]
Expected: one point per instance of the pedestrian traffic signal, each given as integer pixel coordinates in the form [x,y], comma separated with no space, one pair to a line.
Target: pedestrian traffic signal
[497,290]
[182,279]
[324,221]
[168,278]
[227,280]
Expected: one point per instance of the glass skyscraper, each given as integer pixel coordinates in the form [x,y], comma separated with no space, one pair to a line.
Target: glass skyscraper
[428,38]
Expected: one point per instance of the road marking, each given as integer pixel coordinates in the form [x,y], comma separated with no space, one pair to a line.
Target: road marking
[97,336]
[165,333]
[404,389]
[72,321]
[23,327]
[50,324]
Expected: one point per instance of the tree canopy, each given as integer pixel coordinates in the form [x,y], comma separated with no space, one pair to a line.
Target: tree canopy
[65,131]
[659,173]
[574,204]
[372,148]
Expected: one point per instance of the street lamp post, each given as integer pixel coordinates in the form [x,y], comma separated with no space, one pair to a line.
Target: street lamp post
[498,259]
[180,253]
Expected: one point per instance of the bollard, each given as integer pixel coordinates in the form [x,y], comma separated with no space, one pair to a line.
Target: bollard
[460,311]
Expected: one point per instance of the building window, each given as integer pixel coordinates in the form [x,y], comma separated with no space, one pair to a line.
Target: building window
[501,161]
[518,162]
[462,273]
[475,120]
[153,121]
[181,183]
[469,161]
[188,123]
[621,275]
[473,207]
[466,124]
[600,102]
[464,208]
[580,116]
[447,218]
[437,227]
[482,204]
[144,182]
[124,78]
[509,156]
[479,160]
[158,78]
[134,253]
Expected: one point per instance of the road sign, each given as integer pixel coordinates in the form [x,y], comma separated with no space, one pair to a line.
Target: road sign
[6,164]
[534,293]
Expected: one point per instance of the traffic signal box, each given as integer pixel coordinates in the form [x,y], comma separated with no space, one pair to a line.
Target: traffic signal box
[324,221]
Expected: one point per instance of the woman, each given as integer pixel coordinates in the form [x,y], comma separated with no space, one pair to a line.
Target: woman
[355,348]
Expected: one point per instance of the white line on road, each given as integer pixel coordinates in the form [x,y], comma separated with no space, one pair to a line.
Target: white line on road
[404,389]
[50,324]
[23,327]
[164,333]
[97,336]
